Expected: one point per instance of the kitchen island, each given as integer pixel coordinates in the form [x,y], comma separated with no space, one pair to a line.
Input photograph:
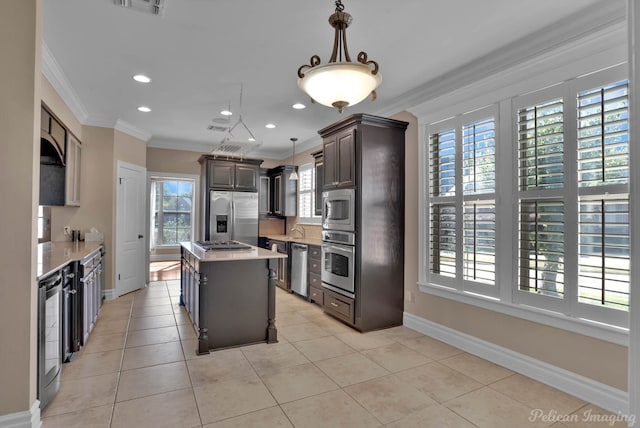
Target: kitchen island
[229,295]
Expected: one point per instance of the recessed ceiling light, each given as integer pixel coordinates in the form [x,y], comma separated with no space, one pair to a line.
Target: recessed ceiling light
[144,109]
[226,113]
[252,139]
[270,125]
[142,78]
[299,106]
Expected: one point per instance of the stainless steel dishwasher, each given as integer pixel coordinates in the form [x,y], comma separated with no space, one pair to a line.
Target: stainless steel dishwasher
[299,269]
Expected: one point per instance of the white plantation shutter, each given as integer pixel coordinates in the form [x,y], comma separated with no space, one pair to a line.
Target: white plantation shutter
[442,165]
[541,252]
[541,146]
[479,242]
[479,213]
[541,175]
[604,264]
[306,194]
[462,224]
[442,189]
[479,157]
[603,135]
[603,178]
[443,240]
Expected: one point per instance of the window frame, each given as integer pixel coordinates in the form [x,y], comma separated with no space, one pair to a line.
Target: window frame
[314,219]
[459,198]
[195,203]
[569,315]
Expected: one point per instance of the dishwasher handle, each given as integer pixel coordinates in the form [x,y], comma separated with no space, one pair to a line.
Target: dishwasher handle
[299,247]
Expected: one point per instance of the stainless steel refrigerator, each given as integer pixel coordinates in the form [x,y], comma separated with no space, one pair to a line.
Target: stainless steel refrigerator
[233,216]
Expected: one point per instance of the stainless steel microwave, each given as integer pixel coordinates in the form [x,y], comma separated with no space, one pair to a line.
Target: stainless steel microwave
[338,210]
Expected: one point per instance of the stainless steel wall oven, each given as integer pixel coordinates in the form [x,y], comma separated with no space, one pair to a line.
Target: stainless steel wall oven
[338,262]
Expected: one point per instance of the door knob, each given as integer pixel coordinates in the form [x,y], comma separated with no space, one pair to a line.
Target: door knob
[140,236]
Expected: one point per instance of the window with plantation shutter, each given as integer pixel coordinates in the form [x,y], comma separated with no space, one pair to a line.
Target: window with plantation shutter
[603,178]
[306,195]
[442,188]
[479,214]
[528,206]
[462,212]
[541,169]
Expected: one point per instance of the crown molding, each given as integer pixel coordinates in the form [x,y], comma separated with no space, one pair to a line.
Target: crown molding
[100,122]
[55,75]
[604,18]
[131,130]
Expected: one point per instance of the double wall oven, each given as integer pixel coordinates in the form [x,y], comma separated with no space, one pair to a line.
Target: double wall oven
[338,241]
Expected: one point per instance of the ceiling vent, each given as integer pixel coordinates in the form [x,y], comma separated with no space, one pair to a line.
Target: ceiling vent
[234,148]
[154,7]
[218,128]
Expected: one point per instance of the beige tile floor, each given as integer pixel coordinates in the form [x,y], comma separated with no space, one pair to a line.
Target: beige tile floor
[139,369]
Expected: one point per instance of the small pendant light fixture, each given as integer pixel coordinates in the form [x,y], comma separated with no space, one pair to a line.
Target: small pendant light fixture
[339,83]
[294,174]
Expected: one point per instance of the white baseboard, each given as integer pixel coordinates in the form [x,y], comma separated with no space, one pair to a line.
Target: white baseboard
[110,294]
[26,419]
[602,395]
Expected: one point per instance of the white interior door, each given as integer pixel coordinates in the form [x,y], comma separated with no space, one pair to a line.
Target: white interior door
[130,227]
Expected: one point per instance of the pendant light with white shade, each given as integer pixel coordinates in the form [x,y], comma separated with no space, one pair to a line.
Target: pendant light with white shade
[340,83]
[294,174]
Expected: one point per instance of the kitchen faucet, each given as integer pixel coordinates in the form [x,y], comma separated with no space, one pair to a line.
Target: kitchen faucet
[298,228]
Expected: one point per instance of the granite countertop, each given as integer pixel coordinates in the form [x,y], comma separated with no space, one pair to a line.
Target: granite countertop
[53,256]
[254,253]
[289,238]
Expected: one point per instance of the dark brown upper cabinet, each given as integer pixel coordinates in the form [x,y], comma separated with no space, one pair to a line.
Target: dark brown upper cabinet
[240,176]
[339,159]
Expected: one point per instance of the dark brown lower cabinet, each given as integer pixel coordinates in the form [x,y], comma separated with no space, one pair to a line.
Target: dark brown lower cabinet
[316,292]
[339,306]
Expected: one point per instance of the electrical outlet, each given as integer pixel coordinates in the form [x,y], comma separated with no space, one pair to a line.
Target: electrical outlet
[67,230]
[412,297]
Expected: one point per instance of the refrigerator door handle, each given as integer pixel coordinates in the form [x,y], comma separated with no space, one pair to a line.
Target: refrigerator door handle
[232,226]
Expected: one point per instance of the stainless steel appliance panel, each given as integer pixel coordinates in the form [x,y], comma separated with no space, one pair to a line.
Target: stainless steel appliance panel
[49,337]
[220,217]
[299,281]
[338,210]
[338,268]
[233,216]
[245,217]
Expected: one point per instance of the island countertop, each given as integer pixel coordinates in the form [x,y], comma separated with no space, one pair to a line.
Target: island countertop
[289,238]
[53,256]
[254,253]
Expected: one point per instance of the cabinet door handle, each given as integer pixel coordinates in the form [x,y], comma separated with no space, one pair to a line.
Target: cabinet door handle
[333,304]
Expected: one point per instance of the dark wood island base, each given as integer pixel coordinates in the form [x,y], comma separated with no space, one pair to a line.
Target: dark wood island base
[229,296]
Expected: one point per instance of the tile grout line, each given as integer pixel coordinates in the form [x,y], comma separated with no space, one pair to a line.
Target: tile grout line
[124,345]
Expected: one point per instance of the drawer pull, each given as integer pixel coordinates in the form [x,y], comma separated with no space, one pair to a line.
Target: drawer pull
[333,304]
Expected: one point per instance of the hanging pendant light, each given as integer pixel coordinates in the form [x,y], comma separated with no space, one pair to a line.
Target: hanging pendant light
[294,174]
[340,83]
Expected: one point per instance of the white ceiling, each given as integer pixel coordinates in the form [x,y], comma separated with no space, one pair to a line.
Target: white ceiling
[200,51]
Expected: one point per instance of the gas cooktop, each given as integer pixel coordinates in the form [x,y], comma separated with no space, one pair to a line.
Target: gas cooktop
[222,245]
